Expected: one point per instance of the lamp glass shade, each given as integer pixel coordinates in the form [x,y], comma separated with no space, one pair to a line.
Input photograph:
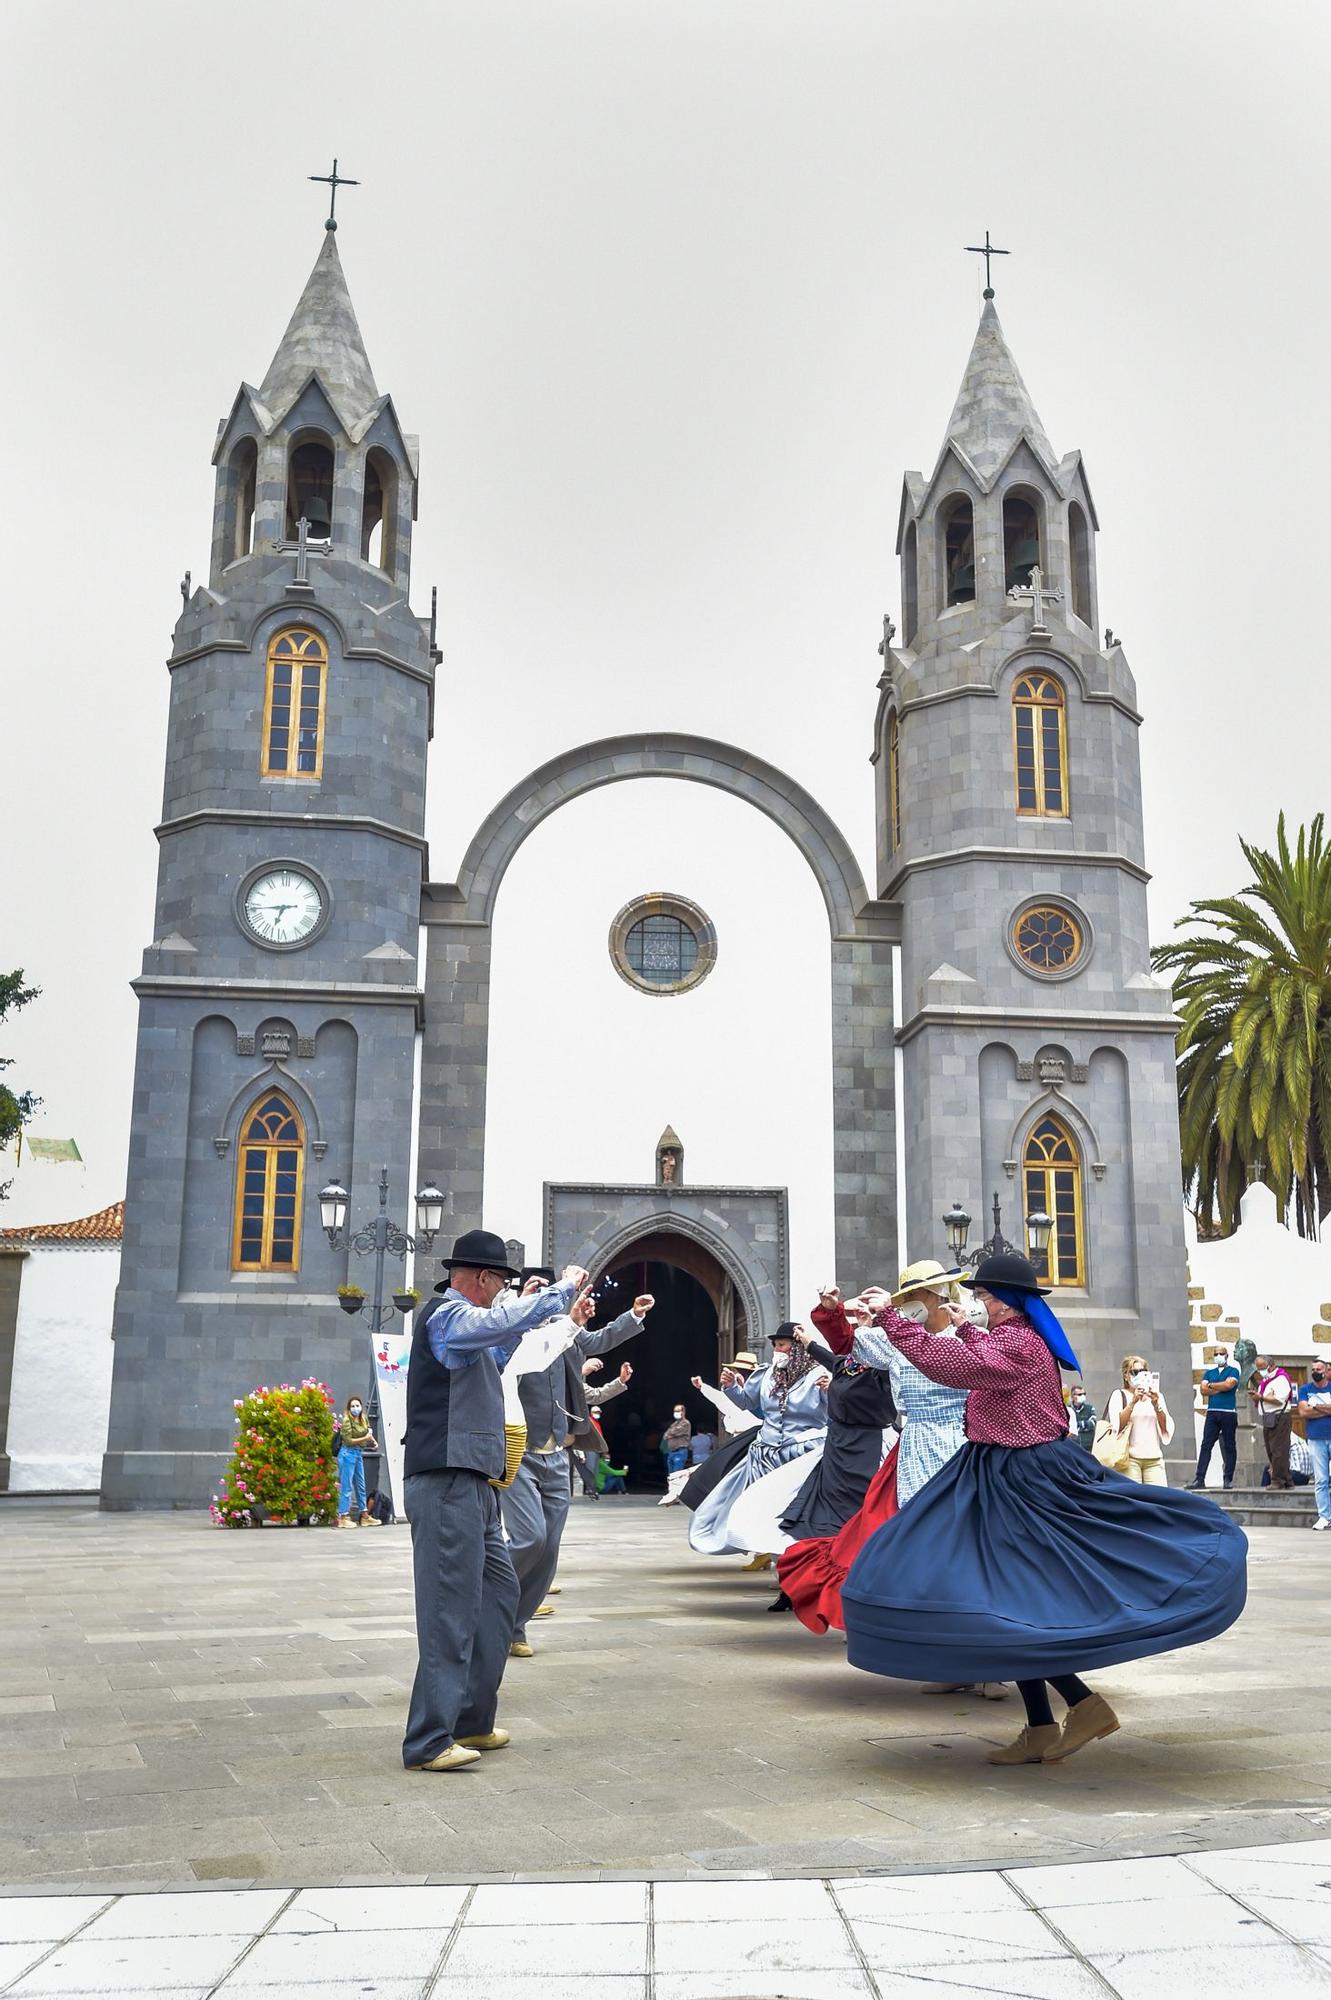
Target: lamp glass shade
[957,1224]
[429,1211]
[1039,1228]
[333,1201]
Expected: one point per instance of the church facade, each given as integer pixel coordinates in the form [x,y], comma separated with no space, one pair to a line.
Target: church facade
[282,1002]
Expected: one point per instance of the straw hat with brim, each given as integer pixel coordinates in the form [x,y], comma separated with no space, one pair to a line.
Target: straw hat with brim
[927,1276]
[745,1360]
[1009,1269]
[480,1250]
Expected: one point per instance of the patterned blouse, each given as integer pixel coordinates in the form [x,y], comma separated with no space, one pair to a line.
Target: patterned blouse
[935,1427]
[1016,1392]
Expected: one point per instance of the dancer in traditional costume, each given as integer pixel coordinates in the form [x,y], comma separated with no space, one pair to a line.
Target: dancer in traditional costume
[738,1426]
[788,1399]
[812,1572]
[1024,1559]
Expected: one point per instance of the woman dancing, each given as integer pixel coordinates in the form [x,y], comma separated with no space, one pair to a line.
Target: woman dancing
[1024,1559]
[786,1395]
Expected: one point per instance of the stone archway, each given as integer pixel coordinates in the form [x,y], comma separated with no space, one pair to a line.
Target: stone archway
[459,917]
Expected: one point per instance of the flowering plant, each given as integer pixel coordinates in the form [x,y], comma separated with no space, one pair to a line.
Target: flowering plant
[282,1466]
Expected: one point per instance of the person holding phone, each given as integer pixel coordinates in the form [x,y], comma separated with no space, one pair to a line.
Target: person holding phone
[1139,1409]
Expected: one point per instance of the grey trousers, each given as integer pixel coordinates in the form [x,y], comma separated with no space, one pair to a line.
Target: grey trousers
[535,1510]
[466,1600]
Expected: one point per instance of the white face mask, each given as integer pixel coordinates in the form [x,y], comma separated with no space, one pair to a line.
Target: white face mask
[1221,1359]
[781,1358]
[679,1416]
[915,1311]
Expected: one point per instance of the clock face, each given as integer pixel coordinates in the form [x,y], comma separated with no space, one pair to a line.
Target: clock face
[283,906]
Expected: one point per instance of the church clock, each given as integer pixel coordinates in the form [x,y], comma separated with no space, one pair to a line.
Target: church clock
[282,905]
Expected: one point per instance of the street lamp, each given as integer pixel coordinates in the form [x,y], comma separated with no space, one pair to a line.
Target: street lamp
[1039,1228]
[333,1201]
[957,1224]
[429,1213]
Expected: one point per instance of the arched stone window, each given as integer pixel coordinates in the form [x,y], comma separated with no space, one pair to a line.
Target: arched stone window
[894,779]
[1052,1182]
[1079,550]
[270,1179]
[910,584]
[293,709]
[378,516]
[956,549]
[1040,746]
[310,468]
[243,478]
[1022,543]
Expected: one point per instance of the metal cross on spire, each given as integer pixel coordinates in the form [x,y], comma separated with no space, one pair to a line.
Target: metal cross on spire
[986,250]
[333,181]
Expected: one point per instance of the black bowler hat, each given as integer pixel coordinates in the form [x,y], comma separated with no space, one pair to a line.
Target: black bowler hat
[480,1250]
[1008,1271]
[542,1271]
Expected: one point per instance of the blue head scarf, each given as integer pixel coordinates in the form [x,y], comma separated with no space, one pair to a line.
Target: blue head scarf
[1037,1311]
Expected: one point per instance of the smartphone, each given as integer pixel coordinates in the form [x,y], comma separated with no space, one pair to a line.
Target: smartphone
[1153,1381]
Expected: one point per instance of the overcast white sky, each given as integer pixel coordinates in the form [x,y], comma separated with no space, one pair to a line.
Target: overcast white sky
[673,293]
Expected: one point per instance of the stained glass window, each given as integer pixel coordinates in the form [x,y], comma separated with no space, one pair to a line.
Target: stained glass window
[293,718]
[1040,741]
[661,949]
[1048,938]
[1051,1174]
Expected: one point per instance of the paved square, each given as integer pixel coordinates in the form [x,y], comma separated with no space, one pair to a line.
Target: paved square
[182,1706]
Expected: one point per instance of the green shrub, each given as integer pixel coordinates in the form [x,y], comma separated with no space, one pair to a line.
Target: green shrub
[283,1466]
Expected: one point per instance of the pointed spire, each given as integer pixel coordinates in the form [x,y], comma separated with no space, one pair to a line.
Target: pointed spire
[993,407]
[323,338]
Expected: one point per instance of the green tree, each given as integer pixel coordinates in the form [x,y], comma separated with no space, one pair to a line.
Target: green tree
[1252,983]
[15,1108]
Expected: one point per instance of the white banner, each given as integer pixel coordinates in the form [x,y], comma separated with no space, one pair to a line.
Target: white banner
[392,1351]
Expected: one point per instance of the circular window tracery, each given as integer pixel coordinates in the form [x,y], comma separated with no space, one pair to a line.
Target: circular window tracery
[1048,938]
[662,944]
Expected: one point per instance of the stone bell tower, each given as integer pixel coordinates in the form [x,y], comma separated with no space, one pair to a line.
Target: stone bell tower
[1038,1048]
[279,998]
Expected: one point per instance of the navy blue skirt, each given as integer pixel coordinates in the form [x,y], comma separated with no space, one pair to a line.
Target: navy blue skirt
[1015,1565]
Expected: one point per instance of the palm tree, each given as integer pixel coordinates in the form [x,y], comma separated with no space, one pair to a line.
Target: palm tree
[1252,982]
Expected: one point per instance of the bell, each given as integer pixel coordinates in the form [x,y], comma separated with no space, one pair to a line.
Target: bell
[319,516]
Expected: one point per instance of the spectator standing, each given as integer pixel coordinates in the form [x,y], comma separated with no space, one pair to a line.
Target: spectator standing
[1315,1403]
[1272,1393]
[1139,1409]
[675,1440]
[1082,1418]
[1220,1387]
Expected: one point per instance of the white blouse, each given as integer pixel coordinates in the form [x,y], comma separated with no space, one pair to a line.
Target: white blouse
[1147,1436]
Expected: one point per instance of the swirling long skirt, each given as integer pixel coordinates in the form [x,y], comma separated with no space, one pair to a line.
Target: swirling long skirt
[709,1530]
[1022,1564]
[812,1572]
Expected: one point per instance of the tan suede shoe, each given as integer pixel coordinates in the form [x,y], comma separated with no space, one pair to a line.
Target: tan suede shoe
[1031,1747]
[496,1740]
[520,1650]
[1082,1724]
[455,1758]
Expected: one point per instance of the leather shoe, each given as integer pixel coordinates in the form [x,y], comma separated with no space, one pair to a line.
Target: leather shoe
[1031,1747]
[455,1758]
[520,1650]
[495,1740]
[1083,1723]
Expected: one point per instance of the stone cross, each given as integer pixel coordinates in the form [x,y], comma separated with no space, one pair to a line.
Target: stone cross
[987,250]
[889,634]
[1039,594]
[303,551]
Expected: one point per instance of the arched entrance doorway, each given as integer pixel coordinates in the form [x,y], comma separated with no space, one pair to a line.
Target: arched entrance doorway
[698,1323]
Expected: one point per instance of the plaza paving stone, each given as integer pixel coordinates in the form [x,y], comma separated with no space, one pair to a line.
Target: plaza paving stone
[183,1706]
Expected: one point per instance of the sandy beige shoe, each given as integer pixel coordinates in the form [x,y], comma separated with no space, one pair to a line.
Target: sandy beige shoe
[455,1758]
[345,1521]
[1082,1724]
[496,1740]
[555,1589]
[520,1650]
[544,1611]
[370,1521]
[757,1562]
[1030,1747]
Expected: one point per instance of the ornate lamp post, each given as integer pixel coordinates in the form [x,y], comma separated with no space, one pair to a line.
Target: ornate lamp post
[380,1238]
[1039,1228]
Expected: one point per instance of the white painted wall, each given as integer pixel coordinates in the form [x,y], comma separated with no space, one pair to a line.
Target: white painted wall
[61,1391]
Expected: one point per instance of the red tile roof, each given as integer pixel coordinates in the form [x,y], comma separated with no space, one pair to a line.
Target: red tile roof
[107,1226]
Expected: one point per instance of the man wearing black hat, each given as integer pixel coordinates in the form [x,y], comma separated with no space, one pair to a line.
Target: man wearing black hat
[535,1506]
[466,1587]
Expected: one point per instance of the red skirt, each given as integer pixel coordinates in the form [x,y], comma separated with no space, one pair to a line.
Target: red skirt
[812,1572]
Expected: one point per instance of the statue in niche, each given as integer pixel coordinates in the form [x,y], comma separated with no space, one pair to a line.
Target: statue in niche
[669,1159]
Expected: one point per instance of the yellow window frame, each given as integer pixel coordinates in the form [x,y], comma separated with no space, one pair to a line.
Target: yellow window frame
[271,1149]
[1052,1166]
[1037,695]
[306,652]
